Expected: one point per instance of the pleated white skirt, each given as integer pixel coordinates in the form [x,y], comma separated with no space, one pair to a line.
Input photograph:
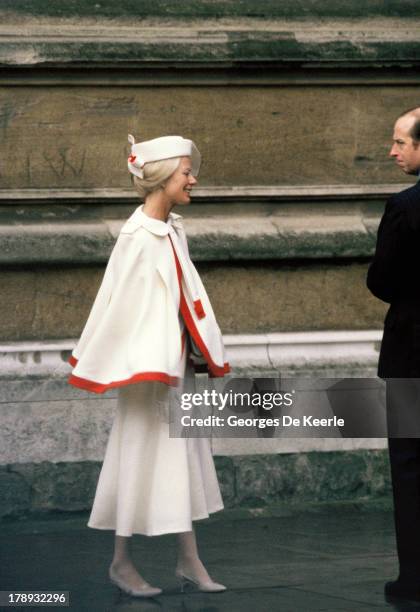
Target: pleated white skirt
[150,483]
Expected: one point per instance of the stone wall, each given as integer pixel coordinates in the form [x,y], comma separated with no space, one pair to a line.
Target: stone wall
[292,107]
[51,303]
[57,137]
[254,482]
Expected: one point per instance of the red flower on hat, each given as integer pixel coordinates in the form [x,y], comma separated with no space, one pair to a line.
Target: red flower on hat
[132,159]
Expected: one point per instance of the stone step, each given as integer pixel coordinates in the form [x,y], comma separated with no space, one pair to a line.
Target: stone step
[224,224]
[143,9]
[222,45]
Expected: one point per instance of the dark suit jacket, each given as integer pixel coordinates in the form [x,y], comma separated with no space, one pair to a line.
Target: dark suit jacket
[394,277]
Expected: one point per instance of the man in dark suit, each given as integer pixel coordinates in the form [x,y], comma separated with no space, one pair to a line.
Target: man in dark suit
[394,277]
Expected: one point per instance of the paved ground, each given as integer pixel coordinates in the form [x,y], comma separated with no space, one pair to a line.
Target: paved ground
[334,559]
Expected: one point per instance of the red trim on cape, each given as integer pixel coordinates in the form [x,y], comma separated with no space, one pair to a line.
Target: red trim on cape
[199,310]
[214,370]
[96,387]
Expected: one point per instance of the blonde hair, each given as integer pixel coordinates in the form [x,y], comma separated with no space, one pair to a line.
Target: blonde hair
[155,175]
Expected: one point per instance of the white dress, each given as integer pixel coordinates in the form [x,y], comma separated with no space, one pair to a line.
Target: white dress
[150,483]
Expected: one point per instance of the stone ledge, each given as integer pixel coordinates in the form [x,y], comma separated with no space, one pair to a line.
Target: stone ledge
[141,9]
[305,351]
[55,243]
[247,482]
[298,352]
[216,194]
[210,239]
[283,44]
[223,223]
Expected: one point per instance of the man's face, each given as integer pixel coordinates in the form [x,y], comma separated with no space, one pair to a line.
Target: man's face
[404,150]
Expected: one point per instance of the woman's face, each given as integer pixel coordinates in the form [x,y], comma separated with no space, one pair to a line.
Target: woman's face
[179,185]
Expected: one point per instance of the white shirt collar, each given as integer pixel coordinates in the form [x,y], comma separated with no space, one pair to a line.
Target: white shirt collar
[155,226]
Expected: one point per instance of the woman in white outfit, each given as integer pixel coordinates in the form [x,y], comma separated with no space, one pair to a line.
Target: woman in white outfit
[151,321]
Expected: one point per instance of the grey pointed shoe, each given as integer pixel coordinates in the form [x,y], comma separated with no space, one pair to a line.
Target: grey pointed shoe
[146,591]
[205,587]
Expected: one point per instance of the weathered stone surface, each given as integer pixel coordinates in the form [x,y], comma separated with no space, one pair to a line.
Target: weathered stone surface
[212,8]
[216,239]
[56,429]
[15,493]
[292,298]
[266,480]
[59,486]
[290,135]
[226,476]
[55,303]
[246,481]
[46,303]
[55,243]
[277,236]
[285,46]
[222,224]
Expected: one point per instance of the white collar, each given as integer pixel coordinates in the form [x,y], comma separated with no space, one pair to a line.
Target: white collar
[162,228]
[155,226]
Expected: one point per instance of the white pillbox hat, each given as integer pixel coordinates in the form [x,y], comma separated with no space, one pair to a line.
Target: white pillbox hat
[161,148]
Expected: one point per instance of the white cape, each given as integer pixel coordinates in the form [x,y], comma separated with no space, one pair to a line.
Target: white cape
[134,332]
